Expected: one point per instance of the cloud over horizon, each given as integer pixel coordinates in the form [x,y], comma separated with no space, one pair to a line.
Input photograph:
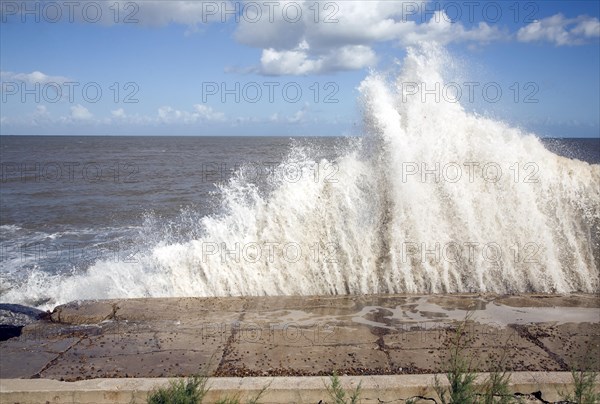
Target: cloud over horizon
[560,30]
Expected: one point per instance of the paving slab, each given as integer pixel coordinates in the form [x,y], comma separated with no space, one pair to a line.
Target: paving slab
[303,336]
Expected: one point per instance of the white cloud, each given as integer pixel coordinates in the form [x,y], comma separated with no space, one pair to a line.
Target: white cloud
[190,13]
[146,13]
[297,117]
[32,78]
[41,115]
[118,113]
[308,46]
[439,29]
[206,113]
[80,116]
[294,61]
[245,120]
[80,113]
[587,27]
[348,23]
[561,30]
[41,110]
[299,61]
[200,113]
[47,85]
[168,114]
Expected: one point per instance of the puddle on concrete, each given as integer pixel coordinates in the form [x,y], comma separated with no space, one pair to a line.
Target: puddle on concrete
[423,310]
[437,311]
[488,312]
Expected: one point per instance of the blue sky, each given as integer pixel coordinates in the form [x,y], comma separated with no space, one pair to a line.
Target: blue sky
[177,67]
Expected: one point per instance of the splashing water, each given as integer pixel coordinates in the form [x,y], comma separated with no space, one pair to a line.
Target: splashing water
[432,199]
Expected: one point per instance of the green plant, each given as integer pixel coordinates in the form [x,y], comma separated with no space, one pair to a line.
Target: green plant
[255,399]
[183,391]
[459,374]
[236,399]
[585,385]
[338,394]
[495,388]
[192,391]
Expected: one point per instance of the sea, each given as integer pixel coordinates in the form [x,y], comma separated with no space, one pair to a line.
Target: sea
[429,199]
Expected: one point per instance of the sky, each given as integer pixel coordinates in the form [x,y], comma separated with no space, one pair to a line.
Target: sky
[288,68]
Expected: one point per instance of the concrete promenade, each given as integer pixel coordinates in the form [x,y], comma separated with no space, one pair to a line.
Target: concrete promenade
[268,337]
[529,387]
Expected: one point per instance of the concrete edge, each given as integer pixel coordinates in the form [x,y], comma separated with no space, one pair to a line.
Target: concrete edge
[375,389]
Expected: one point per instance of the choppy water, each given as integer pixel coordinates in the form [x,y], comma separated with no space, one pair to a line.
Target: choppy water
[430,199]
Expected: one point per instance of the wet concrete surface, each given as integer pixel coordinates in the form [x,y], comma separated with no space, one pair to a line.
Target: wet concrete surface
[304,336]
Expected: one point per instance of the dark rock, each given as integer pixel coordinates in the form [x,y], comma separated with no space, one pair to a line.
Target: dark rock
[13,317]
